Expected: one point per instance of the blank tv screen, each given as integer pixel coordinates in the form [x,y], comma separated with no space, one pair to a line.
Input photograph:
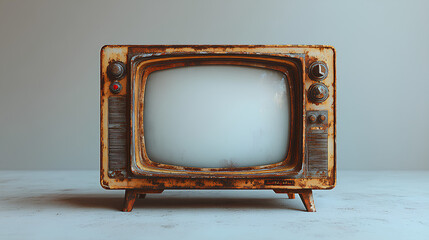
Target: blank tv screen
[217,116]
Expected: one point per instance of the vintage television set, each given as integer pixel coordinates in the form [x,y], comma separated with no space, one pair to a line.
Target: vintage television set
[218,117]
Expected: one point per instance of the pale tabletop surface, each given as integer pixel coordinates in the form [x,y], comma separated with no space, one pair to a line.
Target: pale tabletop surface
[72,205]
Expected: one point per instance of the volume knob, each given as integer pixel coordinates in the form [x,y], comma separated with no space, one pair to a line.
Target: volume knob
[318,71]
[116,70]
[318,92]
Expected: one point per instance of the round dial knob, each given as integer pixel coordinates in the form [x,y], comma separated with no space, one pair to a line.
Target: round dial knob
[318,92]
[318,71]
[116,70]
[115,87]
[312,119]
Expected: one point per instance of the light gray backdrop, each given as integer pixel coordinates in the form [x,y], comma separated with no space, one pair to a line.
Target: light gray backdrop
[49,69]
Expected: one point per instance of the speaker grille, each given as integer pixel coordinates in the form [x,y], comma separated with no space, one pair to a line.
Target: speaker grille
[317,144]
[118,135]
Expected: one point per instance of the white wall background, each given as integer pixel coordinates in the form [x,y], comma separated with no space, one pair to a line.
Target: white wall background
[49,69]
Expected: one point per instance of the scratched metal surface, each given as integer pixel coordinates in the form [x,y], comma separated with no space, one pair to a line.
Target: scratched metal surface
[71,205]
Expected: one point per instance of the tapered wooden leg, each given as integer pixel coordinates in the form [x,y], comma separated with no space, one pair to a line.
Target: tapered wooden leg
[132,194]
[306,196]
[290,194]
[307,199]
[130,199]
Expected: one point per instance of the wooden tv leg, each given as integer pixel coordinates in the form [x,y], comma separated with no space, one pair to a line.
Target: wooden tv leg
[290,194]
[130,199]
[132,194]
[307,198]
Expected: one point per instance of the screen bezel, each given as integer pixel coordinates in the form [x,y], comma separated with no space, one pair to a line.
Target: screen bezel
[143,65]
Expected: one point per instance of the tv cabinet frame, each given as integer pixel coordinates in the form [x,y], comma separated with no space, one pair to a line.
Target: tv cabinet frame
[288,177]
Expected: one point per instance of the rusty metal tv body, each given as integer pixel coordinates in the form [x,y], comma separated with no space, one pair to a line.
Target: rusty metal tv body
[311,158]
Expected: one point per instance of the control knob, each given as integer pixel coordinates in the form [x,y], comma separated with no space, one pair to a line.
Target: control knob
[318,92]
[318,71]
[116,70]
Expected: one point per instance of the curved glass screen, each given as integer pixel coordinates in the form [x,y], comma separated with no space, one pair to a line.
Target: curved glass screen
[217,116]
